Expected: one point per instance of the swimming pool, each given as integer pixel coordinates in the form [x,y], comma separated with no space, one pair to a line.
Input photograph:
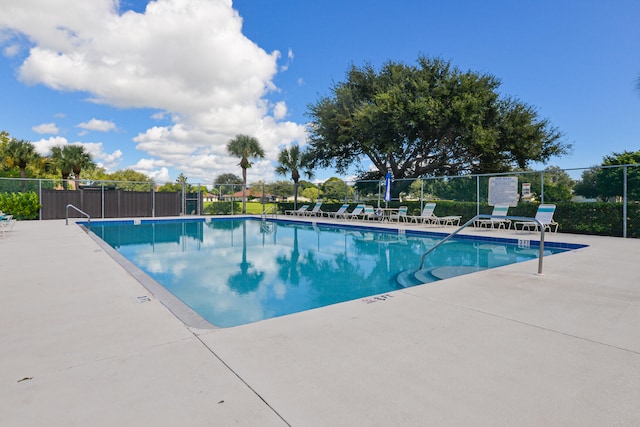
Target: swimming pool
[233,271]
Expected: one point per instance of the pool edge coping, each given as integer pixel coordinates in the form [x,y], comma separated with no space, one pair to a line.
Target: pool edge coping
[175,305]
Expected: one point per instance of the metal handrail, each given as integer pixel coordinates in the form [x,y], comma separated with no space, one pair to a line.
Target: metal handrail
[269,210]
[79,210]
[481,216]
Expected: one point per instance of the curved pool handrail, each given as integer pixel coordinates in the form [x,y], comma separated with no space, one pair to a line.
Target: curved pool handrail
[79,210]
[482,216]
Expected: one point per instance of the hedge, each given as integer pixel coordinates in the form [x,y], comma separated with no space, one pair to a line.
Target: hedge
[20,205]
[597,218]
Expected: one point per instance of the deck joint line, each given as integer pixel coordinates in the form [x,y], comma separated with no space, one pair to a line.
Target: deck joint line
[241,379]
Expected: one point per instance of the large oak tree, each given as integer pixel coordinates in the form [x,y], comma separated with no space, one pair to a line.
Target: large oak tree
[428,119]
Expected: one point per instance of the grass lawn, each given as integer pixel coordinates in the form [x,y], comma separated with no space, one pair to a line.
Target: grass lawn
[254,208]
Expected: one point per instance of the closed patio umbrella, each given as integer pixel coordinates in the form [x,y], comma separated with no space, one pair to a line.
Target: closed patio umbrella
[387,187]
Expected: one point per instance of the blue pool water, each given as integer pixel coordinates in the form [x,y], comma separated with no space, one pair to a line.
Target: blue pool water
[237,271]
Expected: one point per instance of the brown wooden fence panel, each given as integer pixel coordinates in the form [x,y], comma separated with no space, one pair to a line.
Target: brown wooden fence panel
[168,204]
[117,203]
[135,204]
[91,202]
[54,203]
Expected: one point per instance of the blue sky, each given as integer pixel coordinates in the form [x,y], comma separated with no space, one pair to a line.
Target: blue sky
[162,86]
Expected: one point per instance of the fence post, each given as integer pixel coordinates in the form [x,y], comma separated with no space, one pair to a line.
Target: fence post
[624,202]
[183,201]
[102,200]
[477,194]
[40,199]
[542,187]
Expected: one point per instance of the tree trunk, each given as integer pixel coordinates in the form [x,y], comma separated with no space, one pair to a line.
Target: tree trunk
[23,175]
[244,190]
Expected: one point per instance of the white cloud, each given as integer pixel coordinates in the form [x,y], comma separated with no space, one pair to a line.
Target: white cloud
[43,146]
[109,161]
[11,50]
[156,170]
[49,128]
[280,110]
[97,125]
[159,116]
[186,58]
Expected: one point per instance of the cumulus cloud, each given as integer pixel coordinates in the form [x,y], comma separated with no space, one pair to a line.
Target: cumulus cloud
[188,59]
[280,110]
[48,128]
[154,169]
[109,161]
[97,125]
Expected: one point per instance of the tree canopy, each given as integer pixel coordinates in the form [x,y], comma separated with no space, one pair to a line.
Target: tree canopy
[426,120]
[606,183]
[19,153]
[227,178]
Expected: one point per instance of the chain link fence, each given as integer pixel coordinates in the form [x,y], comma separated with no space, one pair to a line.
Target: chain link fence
[600,194]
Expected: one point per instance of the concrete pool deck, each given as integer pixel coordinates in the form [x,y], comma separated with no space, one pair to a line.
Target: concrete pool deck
[84,343]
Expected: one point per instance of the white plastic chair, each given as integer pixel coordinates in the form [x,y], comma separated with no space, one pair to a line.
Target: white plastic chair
[401,215]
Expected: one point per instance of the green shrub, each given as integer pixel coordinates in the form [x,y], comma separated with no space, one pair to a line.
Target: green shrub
[222,208]
[20,205]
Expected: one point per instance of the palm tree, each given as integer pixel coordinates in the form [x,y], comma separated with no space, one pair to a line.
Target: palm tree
[62,163]
[245,147]
[20,153]
[292,160]
[248,279]
[79,159]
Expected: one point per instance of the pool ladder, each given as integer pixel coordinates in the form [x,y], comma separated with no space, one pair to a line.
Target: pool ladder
[268,227]
[78,210]
[269,210]
[408,277]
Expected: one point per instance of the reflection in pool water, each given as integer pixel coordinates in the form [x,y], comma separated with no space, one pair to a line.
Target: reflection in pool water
[236,271]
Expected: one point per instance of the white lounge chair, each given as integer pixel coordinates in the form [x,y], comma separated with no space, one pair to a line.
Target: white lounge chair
[447,220]
[300,211]
[426,216]
[444,220]
[544,215]
[6,223]
[316,211]
[357,211]
[498,210]
[339,213]
[369,213]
